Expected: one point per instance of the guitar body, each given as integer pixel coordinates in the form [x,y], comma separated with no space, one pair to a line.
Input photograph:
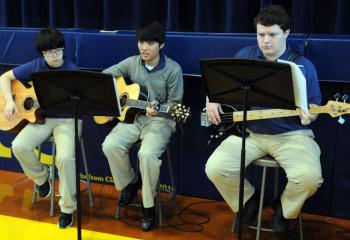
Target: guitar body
[225,128]
[25,100]
[125,92]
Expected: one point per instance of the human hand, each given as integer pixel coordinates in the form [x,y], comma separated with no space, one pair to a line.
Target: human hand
[151,111]
[213,112]
[307,118]
[10,110]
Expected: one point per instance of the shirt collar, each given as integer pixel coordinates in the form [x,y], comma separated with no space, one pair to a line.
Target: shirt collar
[160,65]
[283,56]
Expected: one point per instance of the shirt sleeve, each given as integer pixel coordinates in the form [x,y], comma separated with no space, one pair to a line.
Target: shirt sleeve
[120,69]
[23,72]
[313,87]
[175,88]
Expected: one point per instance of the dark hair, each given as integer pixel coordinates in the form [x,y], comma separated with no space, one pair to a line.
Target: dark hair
[271,15]
[151,31]
[49,38]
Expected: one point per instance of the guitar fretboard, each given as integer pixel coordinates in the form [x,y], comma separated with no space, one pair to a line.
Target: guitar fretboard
[144,104]
[332,109]
[265,114]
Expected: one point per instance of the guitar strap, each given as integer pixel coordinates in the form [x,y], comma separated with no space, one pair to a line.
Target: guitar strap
[292,55]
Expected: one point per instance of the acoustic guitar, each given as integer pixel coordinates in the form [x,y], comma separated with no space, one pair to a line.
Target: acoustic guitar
[133,101]
[230,118]
[27,108]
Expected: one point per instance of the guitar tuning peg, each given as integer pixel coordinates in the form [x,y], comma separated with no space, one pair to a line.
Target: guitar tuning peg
[337,96]
[345,97]
[341,120]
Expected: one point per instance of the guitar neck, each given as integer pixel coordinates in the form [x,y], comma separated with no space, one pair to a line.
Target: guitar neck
[144,104]
[275,113]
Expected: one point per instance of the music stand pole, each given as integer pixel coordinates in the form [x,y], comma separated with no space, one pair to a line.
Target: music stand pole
[242,167]
[77,164]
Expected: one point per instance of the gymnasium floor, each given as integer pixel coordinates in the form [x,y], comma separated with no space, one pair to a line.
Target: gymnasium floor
[185,218]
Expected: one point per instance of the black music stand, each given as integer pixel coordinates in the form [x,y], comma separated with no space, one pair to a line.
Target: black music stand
[229,81]
[75,93]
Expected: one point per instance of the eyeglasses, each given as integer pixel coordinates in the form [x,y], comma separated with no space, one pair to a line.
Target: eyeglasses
[54,52]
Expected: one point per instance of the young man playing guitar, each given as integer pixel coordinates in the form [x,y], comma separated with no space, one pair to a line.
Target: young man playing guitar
[50,44]
[162,78]
[288,140]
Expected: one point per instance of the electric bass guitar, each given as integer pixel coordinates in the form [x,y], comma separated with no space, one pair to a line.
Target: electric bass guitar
[133,101]
[27,108]
[228,119]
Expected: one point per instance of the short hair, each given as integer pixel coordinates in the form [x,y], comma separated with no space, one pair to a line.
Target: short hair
[49,38]
[271,15]
[151,31]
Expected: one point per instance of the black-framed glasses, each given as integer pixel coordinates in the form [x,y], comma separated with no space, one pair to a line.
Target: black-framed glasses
[54,52]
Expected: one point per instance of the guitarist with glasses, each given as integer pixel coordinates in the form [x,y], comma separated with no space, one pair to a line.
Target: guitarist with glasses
[50,45]
[288,140]
[162,78]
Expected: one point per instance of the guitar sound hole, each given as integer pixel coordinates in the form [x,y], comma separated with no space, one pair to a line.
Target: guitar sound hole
[28,103]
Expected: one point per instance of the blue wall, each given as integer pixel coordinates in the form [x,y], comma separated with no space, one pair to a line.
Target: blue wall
[95,51]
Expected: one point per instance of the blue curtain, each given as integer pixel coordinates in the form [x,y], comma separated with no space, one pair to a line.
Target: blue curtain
[308,16]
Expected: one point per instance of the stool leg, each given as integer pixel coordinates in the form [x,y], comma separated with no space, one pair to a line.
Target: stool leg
[117,211]
[258,229]
[159,201]
[34,192]
[91,200]
[171,173]
[233,227]
[301,233]
[275,194]
[52,173]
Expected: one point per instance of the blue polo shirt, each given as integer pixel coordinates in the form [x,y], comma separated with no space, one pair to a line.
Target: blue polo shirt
[23,73]
[282,125]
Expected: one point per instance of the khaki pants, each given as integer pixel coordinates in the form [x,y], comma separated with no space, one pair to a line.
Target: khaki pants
[296,152]
[63,133]
[155,133]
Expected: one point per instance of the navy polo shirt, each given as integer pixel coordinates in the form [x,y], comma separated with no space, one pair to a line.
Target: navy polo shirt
[282,125]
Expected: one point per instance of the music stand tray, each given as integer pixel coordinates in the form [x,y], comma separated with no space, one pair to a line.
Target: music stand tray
[75,93]
[230,80]
[270,83]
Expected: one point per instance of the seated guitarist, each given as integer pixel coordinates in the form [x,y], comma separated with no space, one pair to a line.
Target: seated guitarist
[162,77]
[288,140]
[50,45]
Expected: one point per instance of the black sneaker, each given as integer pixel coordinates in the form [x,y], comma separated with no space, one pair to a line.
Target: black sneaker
[65,220]
[129,193]
[44,190]
[147,218]
[279,223]
[251,209]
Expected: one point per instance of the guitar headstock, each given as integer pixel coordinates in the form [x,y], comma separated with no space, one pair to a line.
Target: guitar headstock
[336,109]
[180,113]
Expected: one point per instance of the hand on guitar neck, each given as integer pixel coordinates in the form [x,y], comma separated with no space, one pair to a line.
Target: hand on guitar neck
[307,118]
[152,110]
